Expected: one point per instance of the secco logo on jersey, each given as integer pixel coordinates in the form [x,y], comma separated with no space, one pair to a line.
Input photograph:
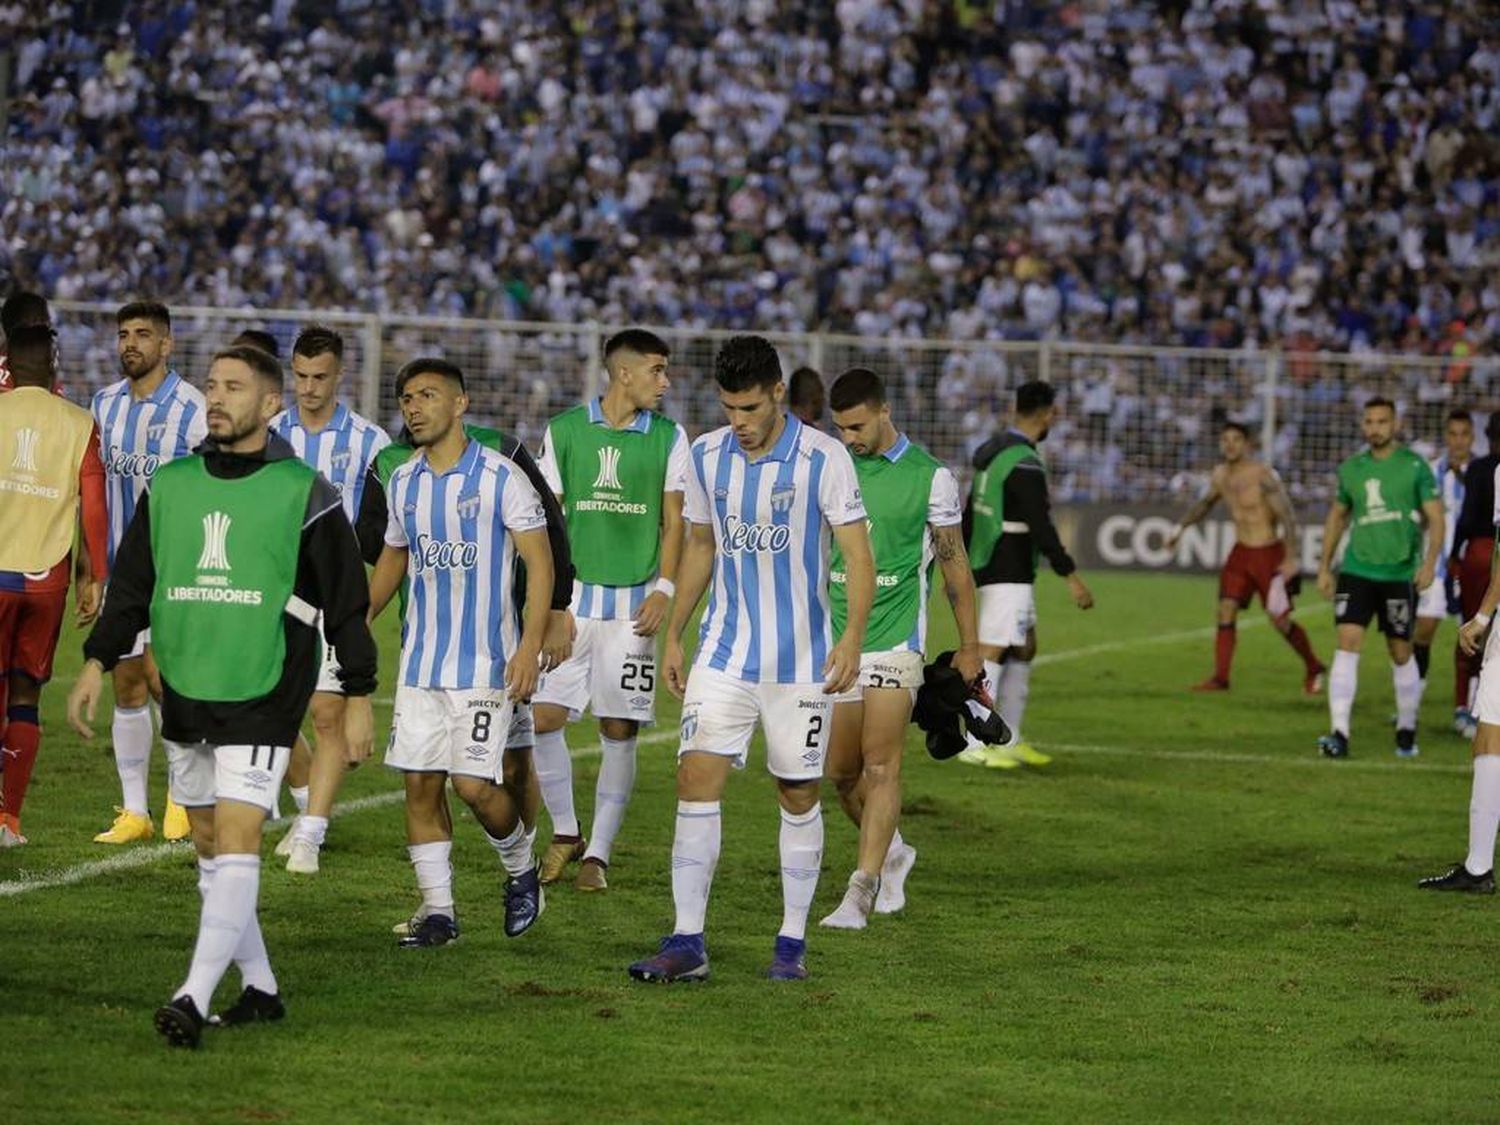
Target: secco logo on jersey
[445,554]
[756,537]
[123,463]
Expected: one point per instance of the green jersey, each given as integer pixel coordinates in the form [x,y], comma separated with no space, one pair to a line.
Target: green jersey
[613,483]
[906,490]
[1385,498]
[225,553]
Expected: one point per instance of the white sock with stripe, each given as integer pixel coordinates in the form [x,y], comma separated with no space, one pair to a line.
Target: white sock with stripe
[132,735]
[695,854]
[228,908]
[611,795]
[801,862]
[554,774]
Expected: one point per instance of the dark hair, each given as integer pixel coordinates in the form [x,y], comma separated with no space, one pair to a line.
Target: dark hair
[859,386]
[636,340]
[153,311]
[319,339]
[1238,427]
[263,363]
[1034,397]
[428,365]
[805,389]
[1459,414]
[257,338]
[1379,401]
[31,352]
[24,307]
[746,362]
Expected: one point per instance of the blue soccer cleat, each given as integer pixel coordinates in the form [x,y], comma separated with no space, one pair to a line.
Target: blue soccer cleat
[787,964]
[681,957]
[524,903]
[429,932]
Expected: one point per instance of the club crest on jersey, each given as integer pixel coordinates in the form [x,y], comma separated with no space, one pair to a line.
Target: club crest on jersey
[444,554]
[689,725]
[468,507]
[340,462]
[609,468]
[156,431]
[754,537]
[782,497]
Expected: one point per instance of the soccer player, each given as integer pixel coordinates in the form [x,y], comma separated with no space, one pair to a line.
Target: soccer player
[1381,492]
[147,419]
[1262,562]
[22,309]
[762,495]
[230,559]
[618,468]
[806,397]
[1470,557]
[1008,525]
[1440,600]
[49,469]
[914,513]
[460,517]
[341,445]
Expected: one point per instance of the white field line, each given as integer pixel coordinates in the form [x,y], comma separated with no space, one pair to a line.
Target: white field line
[1222,757]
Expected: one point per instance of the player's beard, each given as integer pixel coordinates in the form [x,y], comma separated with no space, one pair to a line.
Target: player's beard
[134,369]
[239,428]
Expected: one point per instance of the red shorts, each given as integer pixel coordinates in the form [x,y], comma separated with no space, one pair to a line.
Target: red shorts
[1474,574]
[1256,570]
[29,627]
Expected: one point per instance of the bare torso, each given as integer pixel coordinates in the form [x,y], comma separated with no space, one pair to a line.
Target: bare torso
[1245,486]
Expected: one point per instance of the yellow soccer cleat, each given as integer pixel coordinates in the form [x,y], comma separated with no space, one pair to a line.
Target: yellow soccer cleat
[128,828]
[174,822]
[1028,755]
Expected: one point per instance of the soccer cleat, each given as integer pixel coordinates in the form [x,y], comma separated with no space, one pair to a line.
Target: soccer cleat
[284,845]
[973,756]
[681,957]
[431,931]
[524,902]
[128,828]
[1213,683]
[787,962]
[1027,754]
[591,876]
[174,822]
[1312,683]
[853,913]
[1406,744]
[891,897]
[1464,723]
[562,851]
[409,925]
[1334,745]
[10,831]
[303,859]
[253,1006]
[1458,878]
[180,1022]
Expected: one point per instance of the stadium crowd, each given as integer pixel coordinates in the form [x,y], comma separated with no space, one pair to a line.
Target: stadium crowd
[1221,173]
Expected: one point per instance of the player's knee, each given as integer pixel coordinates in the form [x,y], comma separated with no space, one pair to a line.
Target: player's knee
[328,720]
[992,653]
[22,690]
[472,791]
[618,730]
[797,796]
[132,689]
[548,718]
[878,773]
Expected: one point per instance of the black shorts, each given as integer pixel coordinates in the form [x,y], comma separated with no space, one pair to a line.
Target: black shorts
[1394,604]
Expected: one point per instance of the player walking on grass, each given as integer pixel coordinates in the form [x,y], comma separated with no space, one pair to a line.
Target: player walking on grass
[147,419]
[763,495]
[229,559]
[1470,556]
[1382,493]
[49,470]
[914,514]
[1441,599]
[1008,527]
[618,469]
[341,445]
[1264,558]
[461,516]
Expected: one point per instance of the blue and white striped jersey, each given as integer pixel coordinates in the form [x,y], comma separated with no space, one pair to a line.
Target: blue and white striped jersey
[767,619]
[1450,482]
[461,621]
[341,451]
[137,436]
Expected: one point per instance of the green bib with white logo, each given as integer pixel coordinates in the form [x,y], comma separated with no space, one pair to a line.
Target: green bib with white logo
[613,481]
[1385,497]
[989,501]
[225,553]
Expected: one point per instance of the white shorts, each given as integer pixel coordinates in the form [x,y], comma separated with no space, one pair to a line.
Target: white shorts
[719,713]
[199,774]
[522,730]
[138,650]
[453,732]
[1433,601]
[611,669]
[893,668]
[1007,613]
[1487,697]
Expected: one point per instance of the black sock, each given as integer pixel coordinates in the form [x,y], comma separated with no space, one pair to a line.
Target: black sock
[1424,657]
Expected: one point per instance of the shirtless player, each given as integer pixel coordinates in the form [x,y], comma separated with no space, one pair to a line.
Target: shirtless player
[1261,563]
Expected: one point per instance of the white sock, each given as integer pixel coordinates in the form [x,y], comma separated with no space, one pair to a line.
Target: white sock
[434,875]
[1408,694]
[531,839]
[611,795]
[252,960]
[514,851]
[1484,814]
[228,908]
[992,679]
[695,854]
[132,735]
[1343,679]
[313,828]
[801,862]
[1015,688]
[897,843]
[554,773]
[299,797]
[206,868]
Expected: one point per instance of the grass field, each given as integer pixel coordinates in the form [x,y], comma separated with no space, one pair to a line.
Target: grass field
[1187,917]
